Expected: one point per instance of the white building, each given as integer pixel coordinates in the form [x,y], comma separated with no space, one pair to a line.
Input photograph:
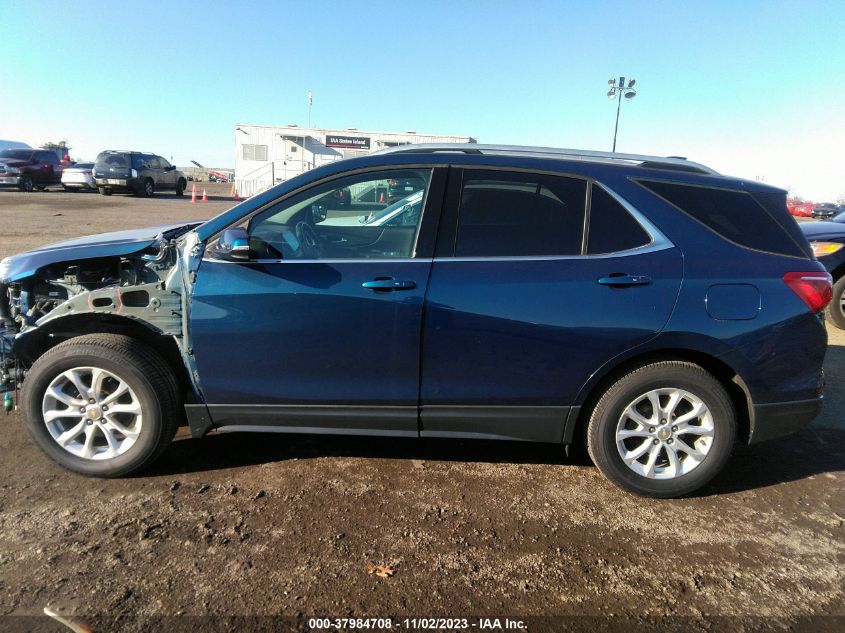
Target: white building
[268,154]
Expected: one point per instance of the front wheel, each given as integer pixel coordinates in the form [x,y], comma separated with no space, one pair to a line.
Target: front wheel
[148,188]
[835,309]
[101,405]
[180,187]
[663,430]
[26,184]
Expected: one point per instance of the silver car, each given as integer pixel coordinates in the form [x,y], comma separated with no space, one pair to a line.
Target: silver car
[79,176]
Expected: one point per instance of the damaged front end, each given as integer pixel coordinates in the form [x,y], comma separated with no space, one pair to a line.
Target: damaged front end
[97,285]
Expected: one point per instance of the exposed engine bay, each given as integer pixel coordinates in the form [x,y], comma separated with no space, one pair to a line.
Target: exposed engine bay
[146,286]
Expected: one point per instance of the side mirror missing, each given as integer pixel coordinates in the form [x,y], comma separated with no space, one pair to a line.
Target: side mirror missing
[234,245]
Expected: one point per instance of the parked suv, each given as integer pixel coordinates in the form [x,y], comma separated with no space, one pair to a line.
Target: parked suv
[29,169]
[646,307]
[136,172]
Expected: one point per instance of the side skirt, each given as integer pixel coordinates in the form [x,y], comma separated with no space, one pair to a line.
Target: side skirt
[520,423]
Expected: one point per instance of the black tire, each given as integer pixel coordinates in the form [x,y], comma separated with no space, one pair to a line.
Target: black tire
[180,186]
[26,184]
[142,369]
[103,191]
[834,310]
[148,188]
[601,433]
[69,189]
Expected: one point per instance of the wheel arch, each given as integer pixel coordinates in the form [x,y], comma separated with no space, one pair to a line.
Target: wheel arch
[33,344]
[576,424]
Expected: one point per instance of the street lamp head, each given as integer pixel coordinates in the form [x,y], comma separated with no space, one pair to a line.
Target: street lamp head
[631,83]
[611,93]
[630,94]
[611,81]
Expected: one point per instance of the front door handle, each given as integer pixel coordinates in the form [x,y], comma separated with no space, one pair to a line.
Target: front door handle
[389,284]
[621,279]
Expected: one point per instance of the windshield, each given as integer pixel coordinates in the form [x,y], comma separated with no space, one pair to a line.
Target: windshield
[22,154]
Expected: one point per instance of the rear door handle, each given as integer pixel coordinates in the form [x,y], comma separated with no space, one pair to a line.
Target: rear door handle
[389,284]
[621,279]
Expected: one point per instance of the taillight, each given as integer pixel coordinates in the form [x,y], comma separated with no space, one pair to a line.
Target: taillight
[813,288]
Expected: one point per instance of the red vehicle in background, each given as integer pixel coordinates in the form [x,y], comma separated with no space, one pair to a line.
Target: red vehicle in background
[800,208]
[220,176]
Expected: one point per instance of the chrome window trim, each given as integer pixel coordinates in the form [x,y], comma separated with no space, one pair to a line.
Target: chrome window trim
[648,248]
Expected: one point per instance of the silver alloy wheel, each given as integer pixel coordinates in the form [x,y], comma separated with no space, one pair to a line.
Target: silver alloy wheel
[92,413]
[664,433]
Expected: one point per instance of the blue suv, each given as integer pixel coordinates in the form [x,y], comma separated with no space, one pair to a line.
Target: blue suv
[646,307]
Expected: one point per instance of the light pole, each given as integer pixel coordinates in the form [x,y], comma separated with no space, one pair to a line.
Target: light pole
[627,91]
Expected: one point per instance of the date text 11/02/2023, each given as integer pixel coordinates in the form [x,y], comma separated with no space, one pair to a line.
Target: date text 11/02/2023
[448,624]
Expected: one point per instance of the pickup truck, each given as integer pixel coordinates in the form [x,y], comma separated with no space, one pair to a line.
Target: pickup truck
[29,169]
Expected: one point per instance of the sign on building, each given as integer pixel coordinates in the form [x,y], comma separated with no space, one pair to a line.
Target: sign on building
[348,142]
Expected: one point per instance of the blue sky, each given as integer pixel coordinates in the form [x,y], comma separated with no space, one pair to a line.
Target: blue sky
[754,89]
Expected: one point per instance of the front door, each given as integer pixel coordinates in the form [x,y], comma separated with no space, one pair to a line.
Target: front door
[320,330]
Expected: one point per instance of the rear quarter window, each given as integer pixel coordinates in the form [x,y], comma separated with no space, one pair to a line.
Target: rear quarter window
[734,215]
[611,228]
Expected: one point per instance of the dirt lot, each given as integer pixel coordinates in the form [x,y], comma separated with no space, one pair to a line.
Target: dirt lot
[285,526]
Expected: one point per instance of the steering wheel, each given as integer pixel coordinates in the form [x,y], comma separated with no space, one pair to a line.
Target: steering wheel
[308,242]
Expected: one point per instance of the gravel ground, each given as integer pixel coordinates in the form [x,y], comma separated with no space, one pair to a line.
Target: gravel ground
[285,527]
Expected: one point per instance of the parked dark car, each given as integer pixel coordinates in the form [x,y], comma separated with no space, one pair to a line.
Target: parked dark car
[647,307]
[29,169]
[828,242]
[136,172]
[826,210]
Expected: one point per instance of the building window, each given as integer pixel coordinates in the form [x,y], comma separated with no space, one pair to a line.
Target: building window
[255,152]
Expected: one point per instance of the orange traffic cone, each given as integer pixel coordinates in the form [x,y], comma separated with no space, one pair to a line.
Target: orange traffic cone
[235,195]
[194,193]
[381,198]
[204,196]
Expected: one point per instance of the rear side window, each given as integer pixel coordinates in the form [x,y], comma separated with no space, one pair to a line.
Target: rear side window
[511,214]
[735,215]
[612,229]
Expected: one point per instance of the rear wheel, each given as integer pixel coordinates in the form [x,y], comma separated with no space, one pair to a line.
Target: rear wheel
[101,405]
[26,184]
[835,309]
[148,188]
[663,430]
[180,186]
[104,191]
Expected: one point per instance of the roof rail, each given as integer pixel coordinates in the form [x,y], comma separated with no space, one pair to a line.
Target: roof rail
[660,162]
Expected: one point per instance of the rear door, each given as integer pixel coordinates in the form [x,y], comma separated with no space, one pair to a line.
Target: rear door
[168,175]
[538,280]
[155,171]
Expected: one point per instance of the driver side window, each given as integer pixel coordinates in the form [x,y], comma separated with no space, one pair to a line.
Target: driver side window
[375,215]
